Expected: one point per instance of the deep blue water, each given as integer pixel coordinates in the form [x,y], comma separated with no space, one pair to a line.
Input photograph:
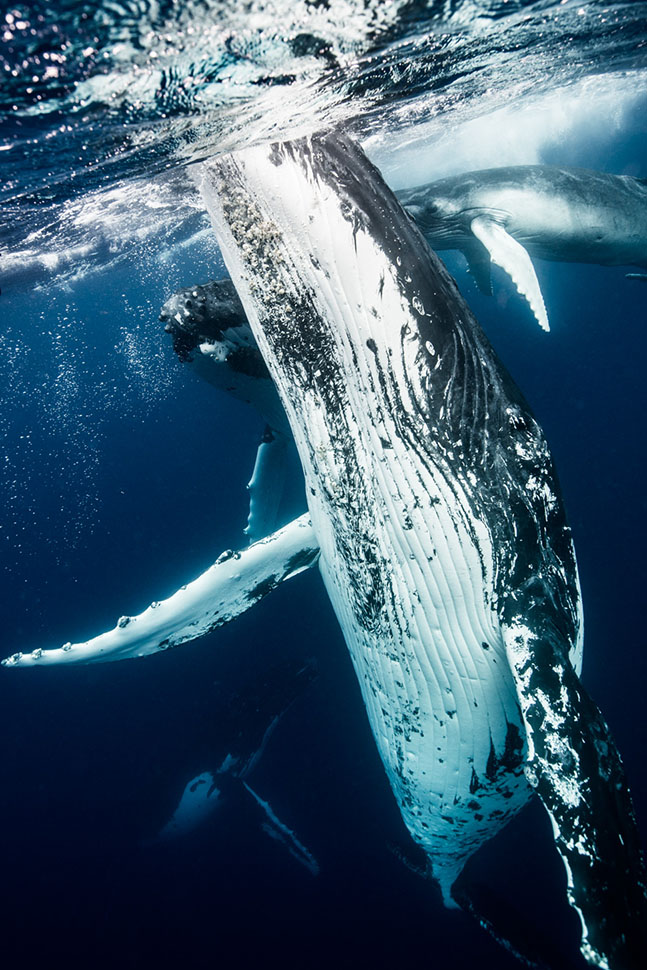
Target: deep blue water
[122,476]
[128,479]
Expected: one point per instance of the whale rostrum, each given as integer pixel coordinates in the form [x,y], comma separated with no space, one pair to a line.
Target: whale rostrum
[437,516]
[506,215]
[211,335]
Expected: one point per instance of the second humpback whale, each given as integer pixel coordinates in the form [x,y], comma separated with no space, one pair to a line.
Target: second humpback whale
[438,524]
[505,215]
[211,334]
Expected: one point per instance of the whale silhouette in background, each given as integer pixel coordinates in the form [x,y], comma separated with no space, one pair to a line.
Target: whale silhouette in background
[245,723]
[436,518]
[505,215]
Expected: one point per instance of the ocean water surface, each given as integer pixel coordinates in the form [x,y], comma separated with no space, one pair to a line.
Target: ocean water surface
[123,476]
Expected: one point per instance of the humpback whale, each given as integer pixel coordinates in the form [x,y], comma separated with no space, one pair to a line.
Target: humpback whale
[211,334]
[505,215]
[436,518]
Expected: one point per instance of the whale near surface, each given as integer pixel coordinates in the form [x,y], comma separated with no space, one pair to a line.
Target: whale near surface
[435,515]
[444,545]
[506,215]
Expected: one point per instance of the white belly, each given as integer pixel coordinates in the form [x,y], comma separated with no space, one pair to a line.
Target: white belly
[433,672]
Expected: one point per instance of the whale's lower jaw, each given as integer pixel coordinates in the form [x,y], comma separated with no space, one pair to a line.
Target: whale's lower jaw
[406,572]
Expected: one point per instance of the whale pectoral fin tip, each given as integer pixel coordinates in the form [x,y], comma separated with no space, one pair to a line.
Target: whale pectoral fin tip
[189,613]
[510,255]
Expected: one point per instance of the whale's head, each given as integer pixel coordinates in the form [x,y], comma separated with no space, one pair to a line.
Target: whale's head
[210,332]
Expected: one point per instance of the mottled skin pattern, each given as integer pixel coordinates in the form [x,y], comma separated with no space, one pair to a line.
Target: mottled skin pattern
[204,312]
[416,443]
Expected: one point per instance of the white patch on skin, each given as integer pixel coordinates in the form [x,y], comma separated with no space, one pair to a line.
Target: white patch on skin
[565,786]
[592,955]
[218,350]
[525,453]
[537,489]
[199,799]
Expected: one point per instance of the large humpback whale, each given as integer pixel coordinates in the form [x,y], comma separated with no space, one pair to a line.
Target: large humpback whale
[437,517]
[505,215]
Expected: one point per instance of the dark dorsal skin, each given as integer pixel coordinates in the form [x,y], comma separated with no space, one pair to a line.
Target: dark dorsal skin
[414,402]
[204,312]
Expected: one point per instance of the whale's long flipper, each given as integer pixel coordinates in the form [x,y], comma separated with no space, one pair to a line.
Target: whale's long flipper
[510,255]
[549,212]
[276,829]
[244,721]
[266,484]
[234,583]
[574,766]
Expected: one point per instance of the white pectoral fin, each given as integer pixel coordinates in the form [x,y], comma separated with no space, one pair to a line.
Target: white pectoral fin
[510,255]
[234,583]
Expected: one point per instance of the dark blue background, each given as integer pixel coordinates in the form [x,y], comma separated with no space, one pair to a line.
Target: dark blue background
[126,478]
